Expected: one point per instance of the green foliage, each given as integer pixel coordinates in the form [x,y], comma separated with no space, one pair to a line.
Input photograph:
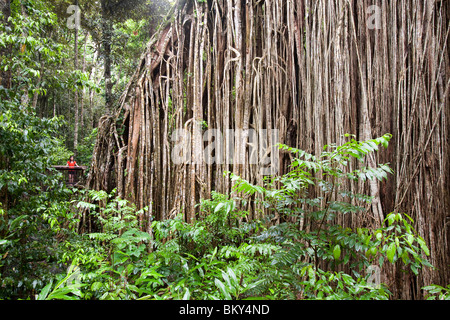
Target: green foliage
[86,149]
[38,223]
[27,144]
[29,247]
[36,60]
[436,292]
[399,242]
[222,256]
[67,288]
[319,284]
[295,252]
[34,206]
[321,242]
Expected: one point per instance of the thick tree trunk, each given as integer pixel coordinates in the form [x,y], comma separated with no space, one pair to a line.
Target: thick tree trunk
[313,70]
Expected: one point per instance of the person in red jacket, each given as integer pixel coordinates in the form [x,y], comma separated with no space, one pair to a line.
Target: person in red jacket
[72,164]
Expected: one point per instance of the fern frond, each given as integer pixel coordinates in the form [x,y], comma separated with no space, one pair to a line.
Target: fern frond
[102,236]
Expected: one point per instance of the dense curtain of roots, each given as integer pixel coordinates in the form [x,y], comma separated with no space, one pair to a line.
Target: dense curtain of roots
[314,70]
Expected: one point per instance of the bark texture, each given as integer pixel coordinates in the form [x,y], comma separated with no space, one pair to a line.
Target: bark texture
[314,70]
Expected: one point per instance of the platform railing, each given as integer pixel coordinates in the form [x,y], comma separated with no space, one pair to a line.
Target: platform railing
[70,178]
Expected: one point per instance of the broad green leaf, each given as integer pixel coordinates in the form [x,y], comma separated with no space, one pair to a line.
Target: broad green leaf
[379,235]
[312,276]
[254,285]
[423,245]
[391,218]
[187,294]
[337,252]
[433,289]
[232,276]
[218,207]
[44,293]
[222,288]
[409,239]
[391,252]
[347,279]
[96,286]
[227,279]
[15,223]
[372,251]
[405,257]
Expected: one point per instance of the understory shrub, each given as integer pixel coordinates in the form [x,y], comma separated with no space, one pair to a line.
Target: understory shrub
[297,251]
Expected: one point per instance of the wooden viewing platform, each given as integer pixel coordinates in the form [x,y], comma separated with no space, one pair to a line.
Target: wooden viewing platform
[78,172]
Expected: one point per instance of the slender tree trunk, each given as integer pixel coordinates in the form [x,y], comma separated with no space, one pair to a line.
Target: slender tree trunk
[106,42]
[54,105]
[86,37]
[76,102]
